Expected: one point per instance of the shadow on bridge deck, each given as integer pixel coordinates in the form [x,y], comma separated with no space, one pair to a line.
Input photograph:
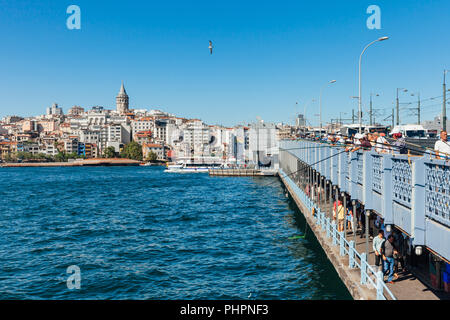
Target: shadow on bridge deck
[409,285]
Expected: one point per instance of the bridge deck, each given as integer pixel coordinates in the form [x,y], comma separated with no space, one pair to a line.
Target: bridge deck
[408,286]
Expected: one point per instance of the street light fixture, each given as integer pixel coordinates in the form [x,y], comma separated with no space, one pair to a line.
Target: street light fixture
[444,104]
[320,102]
[360,60]
[398,105]
[370,109]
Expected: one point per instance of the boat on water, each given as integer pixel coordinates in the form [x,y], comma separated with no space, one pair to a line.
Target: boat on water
[193,166]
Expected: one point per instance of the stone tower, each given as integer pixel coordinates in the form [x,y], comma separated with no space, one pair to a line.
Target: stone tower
[122,101]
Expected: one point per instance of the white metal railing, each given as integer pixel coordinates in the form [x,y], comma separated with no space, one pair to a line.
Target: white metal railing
[358,260]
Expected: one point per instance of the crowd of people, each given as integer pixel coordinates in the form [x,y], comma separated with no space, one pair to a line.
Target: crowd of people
[388,246]
[377,141]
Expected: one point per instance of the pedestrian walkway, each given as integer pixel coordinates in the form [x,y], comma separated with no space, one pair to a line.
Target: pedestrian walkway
[408,286]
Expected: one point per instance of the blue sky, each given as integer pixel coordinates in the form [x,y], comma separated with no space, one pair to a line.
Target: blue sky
[268,55]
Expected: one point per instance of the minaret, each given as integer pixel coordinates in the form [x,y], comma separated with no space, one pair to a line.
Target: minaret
[122,101]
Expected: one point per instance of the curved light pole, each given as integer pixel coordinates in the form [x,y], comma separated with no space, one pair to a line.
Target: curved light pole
[359,99]
[370,109]
[320,103]
[398,105]
[444,105]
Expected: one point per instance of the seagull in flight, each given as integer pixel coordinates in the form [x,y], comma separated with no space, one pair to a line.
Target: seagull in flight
[210,47]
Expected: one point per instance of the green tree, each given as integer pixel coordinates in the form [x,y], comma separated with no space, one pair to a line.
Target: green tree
[72,155]
[133,151]
[61,157]
[10,157]
[152,156]
[22,155]
[109,152]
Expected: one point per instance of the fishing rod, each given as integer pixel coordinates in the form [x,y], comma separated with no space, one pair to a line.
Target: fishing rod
[305,148]
[422,150]
[324,159]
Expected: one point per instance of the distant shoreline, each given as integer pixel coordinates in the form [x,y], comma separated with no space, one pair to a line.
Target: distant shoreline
[77,163]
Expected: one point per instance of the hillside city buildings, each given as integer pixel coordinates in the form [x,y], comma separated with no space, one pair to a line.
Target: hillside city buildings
[88,132]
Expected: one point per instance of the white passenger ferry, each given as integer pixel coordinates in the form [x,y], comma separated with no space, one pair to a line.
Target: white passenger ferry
[189,165]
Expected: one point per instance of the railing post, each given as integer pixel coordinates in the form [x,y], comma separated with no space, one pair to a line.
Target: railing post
[353,175]
[343,171]
[341,243]
[380,281]
[351,254]
[322,217]
[418,202]
[327,222]
[367,180]
[386,206]
[333,229]
[363,268]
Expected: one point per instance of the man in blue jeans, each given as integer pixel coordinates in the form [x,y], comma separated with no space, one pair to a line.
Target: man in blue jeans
[388,250]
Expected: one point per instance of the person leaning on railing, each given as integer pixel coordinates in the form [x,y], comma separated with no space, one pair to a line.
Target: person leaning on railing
[382,145]
[442,147]
[399,144]
[361,142]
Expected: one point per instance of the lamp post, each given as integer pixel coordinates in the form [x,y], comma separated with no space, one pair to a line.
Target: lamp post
[353,110]
[398,105]
[320,103]
[359,99]
[367,221]
[418,107]
[371,109]
[340,117]
[444,105]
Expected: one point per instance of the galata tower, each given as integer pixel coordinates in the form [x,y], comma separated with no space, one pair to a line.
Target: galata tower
[122,101]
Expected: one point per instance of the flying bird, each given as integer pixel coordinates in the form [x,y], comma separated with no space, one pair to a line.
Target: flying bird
[210,47]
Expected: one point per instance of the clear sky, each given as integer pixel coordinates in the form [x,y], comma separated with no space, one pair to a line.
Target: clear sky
[268,55]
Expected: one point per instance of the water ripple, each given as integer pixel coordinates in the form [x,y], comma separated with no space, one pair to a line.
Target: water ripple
[139,233]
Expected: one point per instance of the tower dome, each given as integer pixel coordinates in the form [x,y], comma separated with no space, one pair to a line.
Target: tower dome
[122,100]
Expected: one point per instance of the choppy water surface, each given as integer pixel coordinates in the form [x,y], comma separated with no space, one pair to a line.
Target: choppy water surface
[140,233]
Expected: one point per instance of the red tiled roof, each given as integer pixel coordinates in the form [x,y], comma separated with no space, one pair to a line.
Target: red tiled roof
[152,145]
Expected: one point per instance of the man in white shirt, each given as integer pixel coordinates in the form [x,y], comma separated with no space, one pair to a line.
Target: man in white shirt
[382,145]
[442,147]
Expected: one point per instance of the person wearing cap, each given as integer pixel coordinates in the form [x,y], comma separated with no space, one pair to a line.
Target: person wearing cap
[442,147]
[399,144]
[362,143]
[365,143]
[382,144]
[372,139]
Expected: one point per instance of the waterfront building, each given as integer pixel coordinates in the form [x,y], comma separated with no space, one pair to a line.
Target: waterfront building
[11,119]
[263,145]
[32,148]
[55,110]
[76,111]
[300,121]
[7,148]
[158,149]
[142,137]
[90,150]
[71,144]
[142,124]
[47,126]
[285,132]
[196,135]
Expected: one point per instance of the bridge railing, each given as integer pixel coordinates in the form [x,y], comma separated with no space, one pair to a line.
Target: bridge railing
[368,276]
[410,192]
